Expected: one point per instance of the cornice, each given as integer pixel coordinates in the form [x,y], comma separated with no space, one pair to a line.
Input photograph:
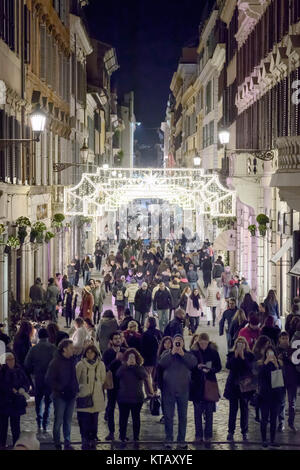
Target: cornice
[76,27]
[250,13]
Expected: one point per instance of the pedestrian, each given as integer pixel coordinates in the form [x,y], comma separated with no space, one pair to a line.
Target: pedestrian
[13,386]
[273,307]
[270,386]
[52,299]
[70,303]
[218,269]
[98,257]
[36,363]
[176,377]
[119,294]
[269,329]
[213,297]
[78,339]
[244,289]
[108,325]
[291,380]
[131,376]
[192,277]
[176,325]
[132,336]
[206,269]
[72,272]
[149,346]
[249,305]
[209,364]
[227,317]
[23,341]
[130,294]
[259,348]
[90,332]
[175,291]
[87,303]
[239,362]
[87,269]
[55,335]
[99,297]
[233,292]
[162,303]
[239,321]
[61,378]
[90,373]
[251,331]
[183,304]
[37,295]
[225,278]
[142,303]
[194,309]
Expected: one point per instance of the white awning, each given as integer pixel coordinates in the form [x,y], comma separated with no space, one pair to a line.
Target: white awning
[226,241]
[295,271]
[285,247]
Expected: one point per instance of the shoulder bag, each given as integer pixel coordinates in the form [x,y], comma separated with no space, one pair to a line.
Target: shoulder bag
[87,401]
[211,391]
[109,382]
[277,378]
[248,384]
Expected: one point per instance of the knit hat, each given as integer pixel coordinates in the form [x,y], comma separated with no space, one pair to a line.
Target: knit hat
[27,441]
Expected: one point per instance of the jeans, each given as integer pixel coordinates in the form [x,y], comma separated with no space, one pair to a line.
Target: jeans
[163,319]
[111,404]
[281,409]
[140,317]
[107,286]
[87,277]
[131,308]
[269,409]
[193,285]
[88,424]
[14,426]
[229,340]
[51,309]
[120,310]
[233,409]
[42,393]
[125,409]
[213,311]
[97,314]
[169,402]
[63,412]
[206,408]
[76,280]
[194,323]
[226,291]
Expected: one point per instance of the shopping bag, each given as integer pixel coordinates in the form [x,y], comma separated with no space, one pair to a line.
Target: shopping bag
[208,314]
[211,391]
[277,378]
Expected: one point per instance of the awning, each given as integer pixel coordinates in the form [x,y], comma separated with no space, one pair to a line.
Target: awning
[295,271]
[226,241]
[285,247]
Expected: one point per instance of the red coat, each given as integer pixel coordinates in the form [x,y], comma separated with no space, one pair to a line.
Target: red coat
[250,335]
[87,305]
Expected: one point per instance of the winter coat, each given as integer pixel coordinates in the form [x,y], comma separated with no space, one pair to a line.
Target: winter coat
[211,299]
[131,291]
[142,301]
[37,294]
[174,327]
[191,310]
[52,295]
[91,378]
[133,339]
[176,376]
[183,301]
[210,357]
[175,292]
[243,290]
[106,327]
[61,377]
[253,307]
[290,374]
[192,275]
[79,338]
[38,359]
[238,369]
[233,293]
[70,302]
[235,327]
[12,404]
[99,297]
[227,316]
[218,269]
[87,305]
[225,278]
[21,347]
[119,295]
[149,346]
[272,332]
[162,300]
[250,334]
[265,390]
[206,265]
[130,386]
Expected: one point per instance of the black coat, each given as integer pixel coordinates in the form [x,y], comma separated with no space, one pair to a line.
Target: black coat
[21,347]
[234,330]
[290,374]
[271,332]
[149,347]
[238,369]
[38,359]
[265,390]
[174,327]
[142,301]
[12,404]
[61,377]
[162,300]
[198,377]
[175,294]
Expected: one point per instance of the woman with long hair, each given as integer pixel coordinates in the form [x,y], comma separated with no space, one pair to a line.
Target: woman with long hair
[269,329]
[108,324]
[239,362]
[23,341]
[249,305]
[272,303]
[166,344]
[259,348]
[183,303]
[194,309]
[55,335]
[238,322]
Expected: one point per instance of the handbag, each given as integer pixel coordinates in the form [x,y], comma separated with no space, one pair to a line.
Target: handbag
[87,401]
[211,391]
[277,378]
[248,384]
[218,296]
[109,381]
[155,406]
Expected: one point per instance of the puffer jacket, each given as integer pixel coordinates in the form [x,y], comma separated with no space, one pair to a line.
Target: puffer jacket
[91,378]
[175,292]
[131,291]
[211,299]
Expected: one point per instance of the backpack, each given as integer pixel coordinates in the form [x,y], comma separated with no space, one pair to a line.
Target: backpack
[120,295]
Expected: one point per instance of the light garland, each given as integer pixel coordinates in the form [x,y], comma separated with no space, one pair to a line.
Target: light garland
[190,189]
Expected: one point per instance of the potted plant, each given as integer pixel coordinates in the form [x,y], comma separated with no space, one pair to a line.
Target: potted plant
[262,230]
[252,230]
[48,236]
[39,228]
[12,242]
[58,220]
[22,224]
[262,220]
[2,229]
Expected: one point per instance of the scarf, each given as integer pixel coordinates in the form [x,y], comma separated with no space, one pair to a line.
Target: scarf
[195,299]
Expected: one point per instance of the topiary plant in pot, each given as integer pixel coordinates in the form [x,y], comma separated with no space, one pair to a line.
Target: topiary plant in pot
[39,228]
[22,224]
[48,236]
[252,230]
[262,220]
[12,242]
[57,220]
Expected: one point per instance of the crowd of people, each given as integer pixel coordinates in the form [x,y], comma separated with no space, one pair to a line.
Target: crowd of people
[136,350]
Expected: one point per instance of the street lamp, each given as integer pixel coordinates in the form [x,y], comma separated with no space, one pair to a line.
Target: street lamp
[197,161]
[224,137]
[38,121]
[105,166]
[265,155]
[84,151]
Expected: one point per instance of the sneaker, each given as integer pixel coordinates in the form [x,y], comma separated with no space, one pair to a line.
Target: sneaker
[110,437]
[274,444]
[265,444]
[281,427]
[45,430]
[208,323]
[230,437]
[293,427]
[162,420]
[245,437]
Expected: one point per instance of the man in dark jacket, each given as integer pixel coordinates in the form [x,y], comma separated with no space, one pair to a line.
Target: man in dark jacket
[112,359]
[228,316]
[206,268]
[142,303]
[61,378]
[77,268]
[152,267]
[52,297]
[149,347]
[177,365]
[162,303]
[176,325]
[37,293]
[119,294]
[192,277]
[36,363]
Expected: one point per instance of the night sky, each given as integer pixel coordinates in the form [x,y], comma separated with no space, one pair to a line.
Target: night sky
[148,37]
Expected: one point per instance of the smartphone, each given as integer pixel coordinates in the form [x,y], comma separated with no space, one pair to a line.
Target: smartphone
[177,344]
[270,354]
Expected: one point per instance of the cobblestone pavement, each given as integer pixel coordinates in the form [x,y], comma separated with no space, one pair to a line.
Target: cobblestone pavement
[152,432]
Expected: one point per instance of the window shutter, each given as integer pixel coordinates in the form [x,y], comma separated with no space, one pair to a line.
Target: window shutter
[43,52]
